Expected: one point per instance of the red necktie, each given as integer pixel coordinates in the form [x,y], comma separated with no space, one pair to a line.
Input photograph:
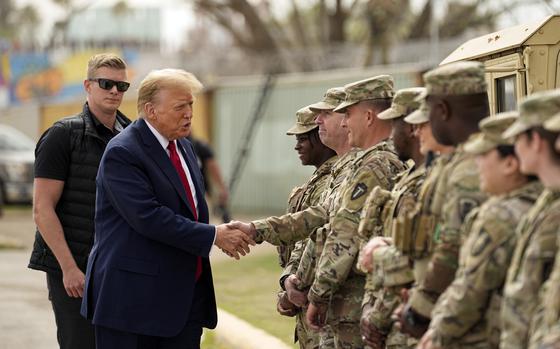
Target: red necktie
[176,161]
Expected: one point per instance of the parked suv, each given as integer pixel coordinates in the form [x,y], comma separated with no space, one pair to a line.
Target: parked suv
[16,166]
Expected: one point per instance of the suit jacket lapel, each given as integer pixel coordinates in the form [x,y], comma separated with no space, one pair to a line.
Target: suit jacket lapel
[160,157]
[192,164]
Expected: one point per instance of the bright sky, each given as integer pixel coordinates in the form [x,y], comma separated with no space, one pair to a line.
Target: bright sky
[177,16]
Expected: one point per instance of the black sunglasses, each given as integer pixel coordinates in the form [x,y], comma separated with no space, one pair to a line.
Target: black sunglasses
[108,84]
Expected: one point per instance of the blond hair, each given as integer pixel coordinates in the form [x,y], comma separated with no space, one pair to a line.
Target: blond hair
[109,60]
[162,79]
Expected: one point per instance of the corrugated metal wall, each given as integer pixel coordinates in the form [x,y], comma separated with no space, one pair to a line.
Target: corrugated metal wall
[273,167]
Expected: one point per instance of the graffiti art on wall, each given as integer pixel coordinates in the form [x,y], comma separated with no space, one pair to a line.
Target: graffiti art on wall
[39,76]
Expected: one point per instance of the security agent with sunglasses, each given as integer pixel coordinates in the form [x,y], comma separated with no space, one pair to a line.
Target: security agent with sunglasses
[67,157]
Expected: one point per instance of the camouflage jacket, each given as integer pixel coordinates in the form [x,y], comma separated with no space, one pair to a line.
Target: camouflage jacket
[387,211]
[417,227]
[546,322]
[372,167]
[293,227]
[302,261]
[398,212]
[308,194]
[531,265]
[467,313]
[337,282]
[455,194]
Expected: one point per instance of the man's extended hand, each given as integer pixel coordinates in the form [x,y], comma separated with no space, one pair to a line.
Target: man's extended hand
[316,316]
[247,228]
[297,297]
[232,241]
[365,259]
[371,336]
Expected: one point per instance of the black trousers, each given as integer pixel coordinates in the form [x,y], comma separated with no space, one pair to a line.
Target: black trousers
[188,338]
[72,330]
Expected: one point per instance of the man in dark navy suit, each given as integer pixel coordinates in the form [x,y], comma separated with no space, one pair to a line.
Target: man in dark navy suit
[148,280]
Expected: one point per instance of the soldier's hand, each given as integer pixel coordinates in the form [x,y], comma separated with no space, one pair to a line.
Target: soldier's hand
[285,307]
[365,259]
[232,241]
[297,297]
[316,316]
[412,323]
[397,313]
[371,336]
[426,341]
[247,228]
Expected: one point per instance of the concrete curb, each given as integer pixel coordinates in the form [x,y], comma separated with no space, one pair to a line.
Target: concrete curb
[236,333]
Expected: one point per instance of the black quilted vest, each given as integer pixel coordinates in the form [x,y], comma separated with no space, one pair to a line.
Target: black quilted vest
[76,207]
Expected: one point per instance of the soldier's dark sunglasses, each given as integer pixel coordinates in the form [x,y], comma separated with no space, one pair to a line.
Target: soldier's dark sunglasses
[108,84]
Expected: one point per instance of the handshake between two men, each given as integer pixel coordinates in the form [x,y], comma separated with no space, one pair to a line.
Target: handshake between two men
[237,236]
[234,238]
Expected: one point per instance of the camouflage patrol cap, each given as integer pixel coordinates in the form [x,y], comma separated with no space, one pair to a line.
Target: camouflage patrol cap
[534,111]
[553,124]
[420,115]
[404,102]
[490,135]
[459,78]
[395,267]
[305,122]
[378,87]
[332,98]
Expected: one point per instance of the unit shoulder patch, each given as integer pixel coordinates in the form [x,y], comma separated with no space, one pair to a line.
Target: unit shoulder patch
[359,190]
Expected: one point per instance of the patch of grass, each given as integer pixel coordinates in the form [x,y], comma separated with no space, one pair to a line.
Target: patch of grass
[247,288]
[18,207]
[209,341]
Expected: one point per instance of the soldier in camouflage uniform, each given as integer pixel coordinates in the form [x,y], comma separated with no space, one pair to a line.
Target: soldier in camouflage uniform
[534,254]
[385,212]
[409,234]
[412,237]
[456,100]
[467,314]
[311,152]
[297,276]
[337,291]
[550,326]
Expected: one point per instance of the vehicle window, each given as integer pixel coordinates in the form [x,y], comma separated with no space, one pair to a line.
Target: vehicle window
[13,140]
[506,92]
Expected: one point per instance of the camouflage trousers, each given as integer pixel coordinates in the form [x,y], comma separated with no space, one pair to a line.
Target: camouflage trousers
[398,340]
[387,301]
[538,329]
[347,335]
[309,339]
[551,340]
